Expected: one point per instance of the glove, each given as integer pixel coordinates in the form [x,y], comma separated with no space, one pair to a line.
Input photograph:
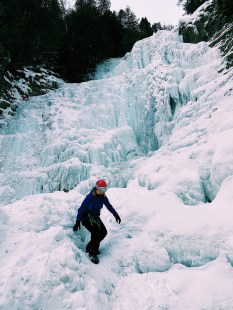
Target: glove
[76,226]
[118,219]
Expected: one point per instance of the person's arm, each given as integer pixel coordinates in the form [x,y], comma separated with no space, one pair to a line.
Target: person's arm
[111,209]
[81,211]
[83,208]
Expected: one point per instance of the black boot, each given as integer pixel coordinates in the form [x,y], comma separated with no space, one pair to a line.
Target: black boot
[94,258]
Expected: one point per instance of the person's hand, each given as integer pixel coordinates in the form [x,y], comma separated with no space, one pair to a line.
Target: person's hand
[76,226]
[118,219]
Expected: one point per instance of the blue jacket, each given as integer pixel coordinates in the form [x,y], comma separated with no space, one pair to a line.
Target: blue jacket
[92,204]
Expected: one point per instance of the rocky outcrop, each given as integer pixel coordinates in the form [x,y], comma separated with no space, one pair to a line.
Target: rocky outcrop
[24,83]
[211,22]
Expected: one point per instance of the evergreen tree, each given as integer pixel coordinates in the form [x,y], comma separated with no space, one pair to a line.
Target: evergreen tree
[84,4]
[130,31]
[63,10]
[145,28]
[103,6]
[190,6]
[128,19]
[225,7]
[29,28]
[82,41]
[157,26]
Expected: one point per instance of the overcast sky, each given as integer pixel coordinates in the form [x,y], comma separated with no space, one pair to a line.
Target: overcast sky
[164,11]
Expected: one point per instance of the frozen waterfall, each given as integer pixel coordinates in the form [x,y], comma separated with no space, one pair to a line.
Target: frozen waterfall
[151,99]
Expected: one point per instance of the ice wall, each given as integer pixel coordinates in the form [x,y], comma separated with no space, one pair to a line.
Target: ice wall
[150,100]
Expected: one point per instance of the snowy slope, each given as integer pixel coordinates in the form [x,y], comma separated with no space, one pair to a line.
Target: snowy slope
[157,124]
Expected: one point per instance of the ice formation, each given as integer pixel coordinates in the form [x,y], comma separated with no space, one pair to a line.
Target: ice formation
[160,96]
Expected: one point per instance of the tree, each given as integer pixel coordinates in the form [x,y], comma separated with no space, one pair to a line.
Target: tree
[63,9]
[80,4]
[190,6]
[225,7]
[128,19]
[145,28]
[103,6]
[28,28]
[157,26]
[130,31]
[82,43]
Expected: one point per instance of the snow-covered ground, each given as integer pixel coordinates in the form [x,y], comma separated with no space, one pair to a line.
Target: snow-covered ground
[158,125]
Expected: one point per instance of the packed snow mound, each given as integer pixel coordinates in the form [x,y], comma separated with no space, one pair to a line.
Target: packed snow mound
[162,255]
[165,95]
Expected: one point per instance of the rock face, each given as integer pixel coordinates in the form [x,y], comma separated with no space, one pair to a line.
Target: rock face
[212,22]
[25,83]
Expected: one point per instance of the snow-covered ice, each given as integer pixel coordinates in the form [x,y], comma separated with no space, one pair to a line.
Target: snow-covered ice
[157,124]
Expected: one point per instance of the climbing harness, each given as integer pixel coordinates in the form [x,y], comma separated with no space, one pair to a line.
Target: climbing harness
[94,221]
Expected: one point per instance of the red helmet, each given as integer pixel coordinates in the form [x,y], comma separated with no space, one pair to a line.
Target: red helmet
[101,185]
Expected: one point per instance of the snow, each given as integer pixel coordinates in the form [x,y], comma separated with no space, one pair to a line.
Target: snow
[157,124]
[22,85]
[197,14]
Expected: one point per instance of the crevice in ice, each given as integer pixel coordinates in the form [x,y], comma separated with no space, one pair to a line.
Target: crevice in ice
[206,195]
[229,256]
[172,104]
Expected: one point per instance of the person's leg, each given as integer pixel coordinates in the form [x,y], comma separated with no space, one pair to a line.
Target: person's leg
[103,231]
[99,236]
[98,233]
[91,228]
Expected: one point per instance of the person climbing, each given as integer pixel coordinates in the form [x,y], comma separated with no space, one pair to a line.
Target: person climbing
[89,215]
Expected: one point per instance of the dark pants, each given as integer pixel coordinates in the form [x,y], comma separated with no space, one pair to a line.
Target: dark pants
[98,232]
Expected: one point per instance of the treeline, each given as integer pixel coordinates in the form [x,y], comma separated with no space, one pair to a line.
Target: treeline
[70,42]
